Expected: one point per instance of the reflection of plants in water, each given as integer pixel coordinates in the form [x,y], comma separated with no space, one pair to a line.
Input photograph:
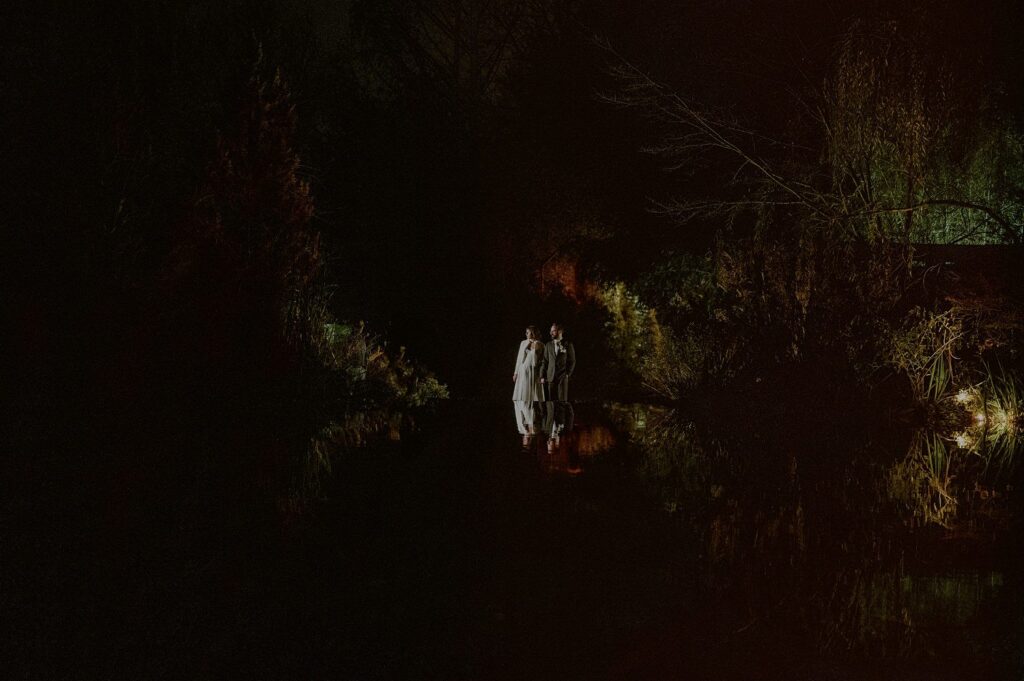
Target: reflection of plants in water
[923,479]
[1001,401]
[865,612]
[361,389]
[970,422]
[593,440]
[940,467]
[351,430]
[672,459]
[805,546]
[991,412]
[889,612]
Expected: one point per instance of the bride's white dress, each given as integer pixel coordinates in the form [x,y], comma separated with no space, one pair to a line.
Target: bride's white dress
[528,386]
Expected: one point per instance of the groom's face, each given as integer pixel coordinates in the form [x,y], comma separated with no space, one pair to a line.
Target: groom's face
[556,333]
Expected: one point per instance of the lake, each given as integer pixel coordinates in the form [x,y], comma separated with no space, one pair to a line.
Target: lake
[606,540]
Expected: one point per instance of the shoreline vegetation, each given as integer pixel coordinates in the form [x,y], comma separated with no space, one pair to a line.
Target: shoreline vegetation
[875,249]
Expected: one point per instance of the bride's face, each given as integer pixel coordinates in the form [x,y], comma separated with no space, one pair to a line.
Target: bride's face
[529,334]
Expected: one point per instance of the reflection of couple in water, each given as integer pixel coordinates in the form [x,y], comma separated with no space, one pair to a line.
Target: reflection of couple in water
[554,418]
[542,371]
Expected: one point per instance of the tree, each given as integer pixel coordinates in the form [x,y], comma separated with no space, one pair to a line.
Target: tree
[912,148]
[915,151]
[460,48]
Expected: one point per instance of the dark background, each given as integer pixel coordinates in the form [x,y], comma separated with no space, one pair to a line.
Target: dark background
[434,195]
[145,416]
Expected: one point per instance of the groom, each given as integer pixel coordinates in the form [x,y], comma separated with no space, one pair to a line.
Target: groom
[559,363]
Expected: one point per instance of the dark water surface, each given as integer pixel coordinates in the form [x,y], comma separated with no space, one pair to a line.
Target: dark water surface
[640,543]
[638,546]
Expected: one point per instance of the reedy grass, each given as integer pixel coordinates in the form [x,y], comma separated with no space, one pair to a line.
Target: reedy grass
[923,350]
[938,457]
[936,460]
[356,388]
[1001,402]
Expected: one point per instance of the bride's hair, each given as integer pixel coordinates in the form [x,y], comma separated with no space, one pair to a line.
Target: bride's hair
[533,332]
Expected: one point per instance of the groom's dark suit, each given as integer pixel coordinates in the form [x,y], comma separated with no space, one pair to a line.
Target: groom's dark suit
[559,363]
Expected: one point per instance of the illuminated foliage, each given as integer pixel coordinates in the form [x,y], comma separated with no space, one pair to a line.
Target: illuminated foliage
[923,349]
[914,152]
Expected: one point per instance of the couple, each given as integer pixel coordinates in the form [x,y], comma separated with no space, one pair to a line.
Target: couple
[542,371]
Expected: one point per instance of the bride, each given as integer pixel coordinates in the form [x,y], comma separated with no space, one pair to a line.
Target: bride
[527,373]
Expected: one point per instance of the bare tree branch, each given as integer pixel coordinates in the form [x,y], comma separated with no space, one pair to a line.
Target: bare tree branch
[643,92]
[1011,230]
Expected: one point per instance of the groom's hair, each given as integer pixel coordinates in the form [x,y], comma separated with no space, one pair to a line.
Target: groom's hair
[558,326]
